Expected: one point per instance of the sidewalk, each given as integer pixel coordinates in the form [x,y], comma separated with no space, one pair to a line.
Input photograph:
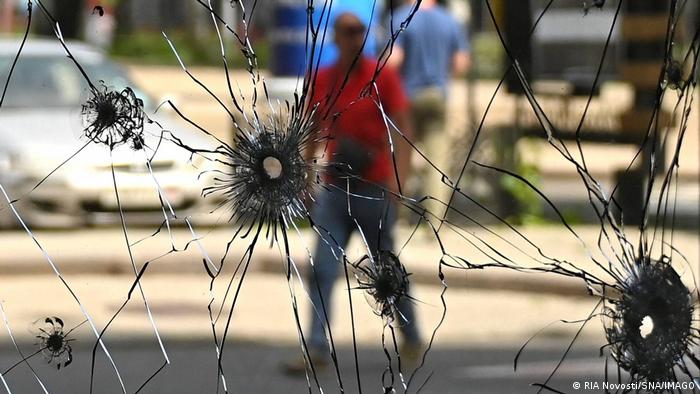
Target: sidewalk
[264,314]
[482,305]
[96,266]
[103,251]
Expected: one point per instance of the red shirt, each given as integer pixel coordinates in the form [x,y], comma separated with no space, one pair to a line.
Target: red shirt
[359,117]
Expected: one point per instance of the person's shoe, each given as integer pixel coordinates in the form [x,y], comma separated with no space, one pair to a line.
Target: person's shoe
[411,354]
[298,366]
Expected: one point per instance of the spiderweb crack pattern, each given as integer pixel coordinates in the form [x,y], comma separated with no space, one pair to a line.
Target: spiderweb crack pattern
[267,180]
[113,118]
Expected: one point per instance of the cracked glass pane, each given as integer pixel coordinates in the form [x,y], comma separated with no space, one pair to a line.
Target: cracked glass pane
[339,177]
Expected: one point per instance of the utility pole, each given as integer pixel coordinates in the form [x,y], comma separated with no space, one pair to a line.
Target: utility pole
[229,13]
[644,25]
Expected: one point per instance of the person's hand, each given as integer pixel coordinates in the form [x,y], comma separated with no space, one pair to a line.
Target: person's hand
[394,191]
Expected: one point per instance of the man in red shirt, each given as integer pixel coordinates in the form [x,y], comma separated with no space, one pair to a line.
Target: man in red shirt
[350,110]
[359,188]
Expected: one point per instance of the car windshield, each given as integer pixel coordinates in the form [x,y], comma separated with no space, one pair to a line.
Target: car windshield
[55,82]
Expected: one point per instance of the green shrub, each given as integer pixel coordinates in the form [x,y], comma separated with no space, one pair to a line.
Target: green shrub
[487,56]
[149,47]
[529,203]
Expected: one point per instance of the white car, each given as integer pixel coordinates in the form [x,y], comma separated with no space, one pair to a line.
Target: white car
[41,127]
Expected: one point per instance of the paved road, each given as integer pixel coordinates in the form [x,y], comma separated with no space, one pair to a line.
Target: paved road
[255,368]
[263,334]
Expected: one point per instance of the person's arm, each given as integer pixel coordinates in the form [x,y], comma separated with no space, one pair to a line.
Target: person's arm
[402,149]
[396,105]
[461,63]
[396,57]
[461,58]
[311,147]
[318,101]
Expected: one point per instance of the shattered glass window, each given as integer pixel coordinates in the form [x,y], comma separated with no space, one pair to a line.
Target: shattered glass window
[349,196]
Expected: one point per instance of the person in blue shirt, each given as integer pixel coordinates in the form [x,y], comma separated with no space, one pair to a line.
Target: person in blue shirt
[432,49]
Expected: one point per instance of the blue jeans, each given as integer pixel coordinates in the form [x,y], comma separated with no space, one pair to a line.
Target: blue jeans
[336,225]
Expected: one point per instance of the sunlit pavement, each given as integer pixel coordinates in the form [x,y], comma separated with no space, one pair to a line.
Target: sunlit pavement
[255,368]
[264,311]
[263,330]
[103,251]
[473,350]
[482,304]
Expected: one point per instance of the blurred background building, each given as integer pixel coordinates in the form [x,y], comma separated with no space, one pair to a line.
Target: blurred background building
[560,60]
